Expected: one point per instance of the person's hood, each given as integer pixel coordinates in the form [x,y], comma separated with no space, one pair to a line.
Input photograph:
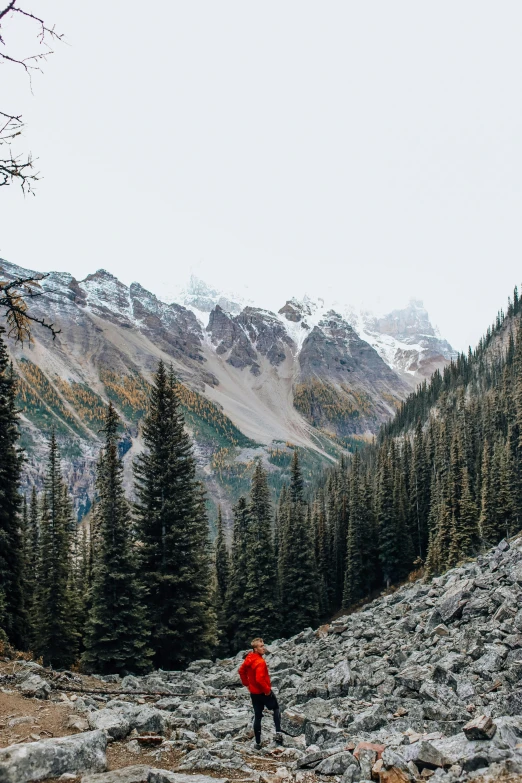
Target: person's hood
[251,657]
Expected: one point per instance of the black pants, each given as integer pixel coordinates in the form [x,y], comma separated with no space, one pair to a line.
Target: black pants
[260,701]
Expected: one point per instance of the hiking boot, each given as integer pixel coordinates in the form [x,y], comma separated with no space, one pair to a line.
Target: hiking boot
[278,739]
[257,746]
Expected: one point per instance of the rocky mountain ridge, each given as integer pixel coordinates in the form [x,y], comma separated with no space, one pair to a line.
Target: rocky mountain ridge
[404,338]
[422,682]
[256,383]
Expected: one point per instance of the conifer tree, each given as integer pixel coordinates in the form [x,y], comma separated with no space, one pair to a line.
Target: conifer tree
[464,533]
[235,599]
[507,490]
[354,581]
[487,520]
[12,613]
[56,637]
[31,549]
[173,532]
[83,573]
[260,598]
[389,545]
[323,554]
[440,530]
[222,580]
[400,513]
[279,537]
[117,633]
[297,567]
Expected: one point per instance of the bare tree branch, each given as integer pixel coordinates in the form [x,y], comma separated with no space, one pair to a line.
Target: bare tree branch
[19,168]
[9,7]
[13,299]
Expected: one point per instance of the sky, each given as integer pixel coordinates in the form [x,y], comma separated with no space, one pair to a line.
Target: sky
[367,152]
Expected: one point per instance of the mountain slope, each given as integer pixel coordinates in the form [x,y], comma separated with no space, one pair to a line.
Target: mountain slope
[254,382]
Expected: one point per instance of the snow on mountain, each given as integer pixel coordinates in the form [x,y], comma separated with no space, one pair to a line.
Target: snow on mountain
[404,338]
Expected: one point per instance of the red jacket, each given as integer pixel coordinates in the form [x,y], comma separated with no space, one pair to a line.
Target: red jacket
[254,674]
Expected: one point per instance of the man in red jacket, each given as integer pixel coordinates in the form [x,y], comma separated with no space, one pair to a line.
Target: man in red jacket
[254,675]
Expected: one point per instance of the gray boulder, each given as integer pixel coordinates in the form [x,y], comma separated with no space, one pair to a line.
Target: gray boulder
[414,676]
[370,719]
[336,764]
[321,732]
[452,603]
[149,719]
[169,703]
[514,703]
[114,723]
[35,687]
[423,754]
[231,725]
[293,722]
[51,758]
[338,679]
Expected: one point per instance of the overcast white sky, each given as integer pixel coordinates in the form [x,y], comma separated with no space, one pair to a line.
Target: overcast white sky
[367,150]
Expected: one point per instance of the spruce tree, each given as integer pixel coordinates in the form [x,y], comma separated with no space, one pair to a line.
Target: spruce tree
[323,554]
[117,633]
[389,545]
[222,580]
[260,599]
[173,532]
[297,567]
[83,573]
[354,581]
[56,637]
[488,514]
[31,549]
[235,605]
[465,531]
[12,613]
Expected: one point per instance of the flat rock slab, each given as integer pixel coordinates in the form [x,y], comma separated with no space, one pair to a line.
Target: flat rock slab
[164,776]
[139,773]
[53,757]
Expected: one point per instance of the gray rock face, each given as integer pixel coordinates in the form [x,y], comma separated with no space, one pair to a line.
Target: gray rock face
[53,757]
[231,338]
[411,326]
[266,333]
[334,356]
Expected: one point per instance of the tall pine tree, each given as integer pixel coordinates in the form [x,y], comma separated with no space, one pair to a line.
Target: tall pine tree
[222,580]
[173,532]
[235,605]
[261,615]
[12,614]
[117,633]
[297,567]
[56,636]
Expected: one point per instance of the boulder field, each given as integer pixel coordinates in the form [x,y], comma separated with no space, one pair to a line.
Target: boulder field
[425,682]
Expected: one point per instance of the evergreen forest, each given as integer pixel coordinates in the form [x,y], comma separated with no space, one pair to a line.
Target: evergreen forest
[141,585]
